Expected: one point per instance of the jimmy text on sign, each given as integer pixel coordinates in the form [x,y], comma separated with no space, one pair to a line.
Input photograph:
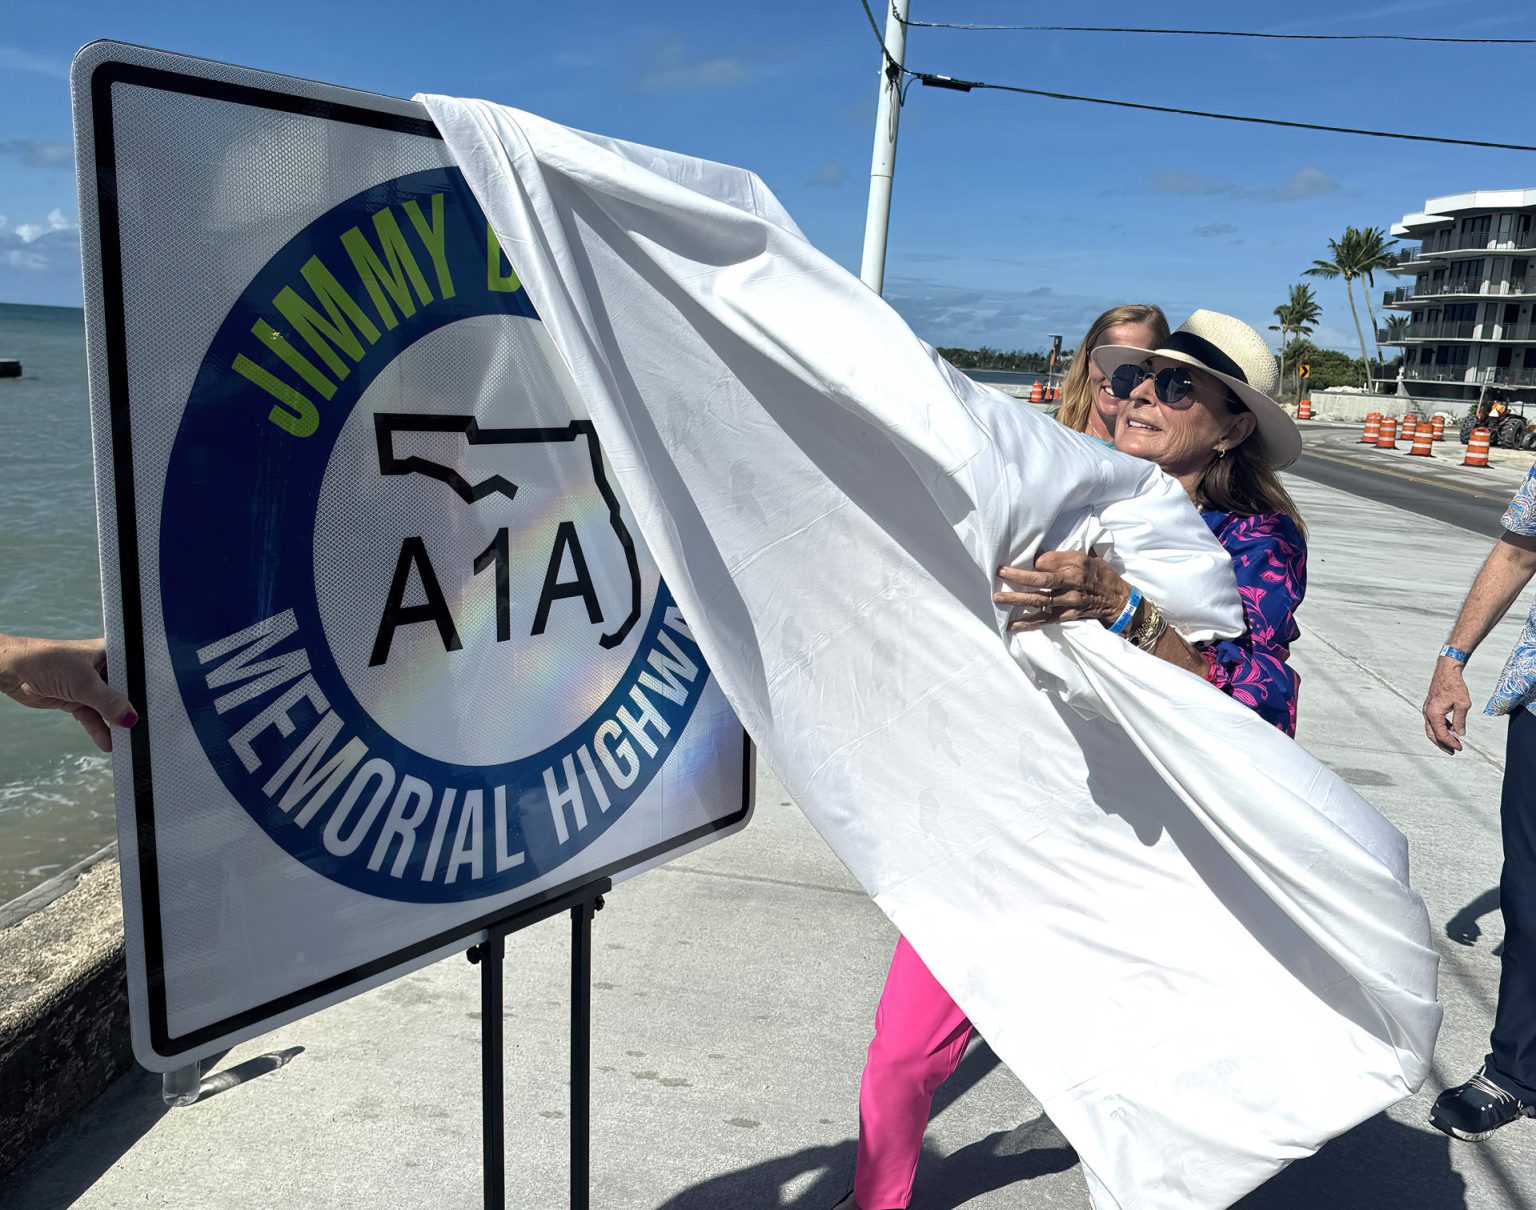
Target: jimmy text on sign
[405,664]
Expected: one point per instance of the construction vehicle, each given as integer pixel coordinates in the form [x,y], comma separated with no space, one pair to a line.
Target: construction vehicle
[1507,425]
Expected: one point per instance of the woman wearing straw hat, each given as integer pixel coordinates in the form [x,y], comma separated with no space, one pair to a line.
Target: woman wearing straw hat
[1086,402]
[1198,404]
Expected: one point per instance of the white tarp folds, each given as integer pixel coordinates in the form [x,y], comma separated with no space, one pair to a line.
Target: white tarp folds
[1194,943]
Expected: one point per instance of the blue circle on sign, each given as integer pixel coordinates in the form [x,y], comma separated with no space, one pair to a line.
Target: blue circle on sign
[266,698]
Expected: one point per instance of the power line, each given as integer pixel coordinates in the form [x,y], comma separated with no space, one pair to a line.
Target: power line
[967,85]
[934,80]
[1222,33]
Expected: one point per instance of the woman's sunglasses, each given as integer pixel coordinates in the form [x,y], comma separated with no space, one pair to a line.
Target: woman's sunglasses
[1172,385]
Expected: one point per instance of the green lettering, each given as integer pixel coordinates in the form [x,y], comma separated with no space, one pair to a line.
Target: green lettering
[495,280]
[435,237]
[295,414]
[296,361]
[379,277]
[321,332]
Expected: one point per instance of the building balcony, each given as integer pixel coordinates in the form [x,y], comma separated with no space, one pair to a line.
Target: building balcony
[1407,296]
[1499,376]
[1482,332]
[1406,257]
[1483,241]
[1434,331]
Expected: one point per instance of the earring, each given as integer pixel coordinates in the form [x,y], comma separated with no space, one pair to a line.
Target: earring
[1221,452]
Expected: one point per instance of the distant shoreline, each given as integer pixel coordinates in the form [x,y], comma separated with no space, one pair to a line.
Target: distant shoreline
[39,306]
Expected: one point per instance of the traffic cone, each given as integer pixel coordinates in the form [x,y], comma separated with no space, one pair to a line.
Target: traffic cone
[1423,440]
[1477,449]
[1372,429]
[1437,426]
[1388,438]
[1305,410]
[1036,392]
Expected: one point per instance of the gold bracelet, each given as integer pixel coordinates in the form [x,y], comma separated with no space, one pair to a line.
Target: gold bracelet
[1150,629]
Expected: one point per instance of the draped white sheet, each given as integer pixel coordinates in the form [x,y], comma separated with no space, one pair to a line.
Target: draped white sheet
[1192,941]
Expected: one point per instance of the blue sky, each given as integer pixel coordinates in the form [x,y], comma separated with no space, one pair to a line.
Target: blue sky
[1013,217]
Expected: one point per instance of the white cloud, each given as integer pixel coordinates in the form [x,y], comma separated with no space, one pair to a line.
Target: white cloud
[1005,319]
[36,153]
[12,59]
[31,232]
[674,69]
[1303,184]
[51,244]
[829,174]
[23,258]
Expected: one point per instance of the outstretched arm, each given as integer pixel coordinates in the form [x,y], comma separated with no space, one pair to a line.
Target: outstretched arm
[1504,574]
[65,674]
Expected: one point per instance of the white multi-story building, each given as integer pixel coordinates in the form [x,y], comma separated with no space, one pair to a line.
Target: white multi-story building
[1471,329]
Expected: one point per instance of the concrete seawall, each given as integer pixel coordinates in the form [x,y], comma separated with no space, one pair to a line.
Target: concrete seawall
[63,1004]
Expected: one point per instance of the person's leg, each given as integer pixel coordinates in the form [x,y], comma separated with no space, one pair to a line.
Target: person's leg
[1505,1089]
[1512,1062]
[920,1035]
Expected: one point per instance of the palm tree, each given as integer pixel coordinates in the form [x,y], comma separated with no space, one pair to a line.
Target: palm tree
[1297,315]
[1346,261]
[1396,330]
[1375,253]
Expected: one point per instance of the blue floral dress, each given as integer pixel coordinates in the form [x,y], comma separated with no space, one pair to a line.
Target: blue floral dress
[1269,558]
[1517,683]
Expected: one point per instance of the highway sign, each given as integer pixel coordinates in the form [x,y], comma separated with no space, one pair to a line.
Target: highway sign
[404,665]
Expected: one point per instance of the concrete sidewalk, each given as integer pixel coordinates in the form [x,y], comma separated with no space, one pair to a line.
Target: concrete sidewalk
[735,989]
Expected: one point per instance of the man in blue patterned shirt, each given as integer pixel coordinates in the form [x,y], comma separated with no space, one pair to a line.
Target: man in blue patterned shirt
[1505,1088]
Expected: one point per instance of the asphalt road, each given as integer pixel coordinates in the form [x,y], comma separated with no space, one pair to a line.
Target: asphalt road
[1474,508]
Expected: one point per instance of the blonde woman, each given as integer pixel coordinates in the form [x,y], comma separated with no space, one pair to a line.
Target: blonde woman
[1087,404]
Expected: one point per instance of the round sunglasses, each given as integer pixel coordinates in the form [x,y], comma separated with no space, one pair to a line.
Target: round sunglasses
[1171,386]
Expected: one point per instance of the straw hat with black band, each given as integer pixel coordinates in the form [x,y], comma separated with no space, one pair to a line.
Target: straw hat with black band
[1229,350]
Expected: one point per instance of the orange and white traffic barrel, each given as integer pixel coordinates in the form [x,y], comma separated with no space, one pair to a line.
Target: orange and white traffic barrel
[1305,410]
[1387,439]
[1423,440]
[1372,429]
[1036,392]
[1477,449]
[1437,427]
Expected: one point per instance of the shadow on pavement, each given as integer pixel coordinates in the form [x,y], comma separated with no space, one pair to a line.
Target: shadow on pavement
[73,1161]
[829,1170]
[107,1129]
[1379,1165]
[242,1073]
[1463,927]
[1006,1158]
[815,1178]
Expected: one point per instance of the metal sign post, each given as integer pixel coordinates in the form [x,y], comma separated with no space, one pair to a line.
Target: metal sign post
[582,904]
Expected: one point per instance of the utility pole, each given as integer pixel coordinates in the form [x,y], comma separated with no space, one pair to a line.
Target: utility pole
[877,223]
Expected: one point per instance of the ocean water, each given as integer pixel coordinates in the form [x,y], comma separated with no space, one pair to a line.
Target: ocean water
[55,787]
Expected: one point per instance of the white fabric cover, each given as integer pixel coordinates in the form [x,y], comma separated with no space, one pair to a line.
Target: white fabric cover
[1193,942]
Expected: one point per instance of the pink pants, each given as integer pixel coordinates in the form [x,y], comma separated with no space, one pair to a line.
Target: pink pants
[920,1035]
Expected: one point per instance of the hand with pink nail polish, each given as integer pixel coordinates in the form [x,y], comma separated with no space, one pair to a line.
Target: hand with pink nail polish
[65,674]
